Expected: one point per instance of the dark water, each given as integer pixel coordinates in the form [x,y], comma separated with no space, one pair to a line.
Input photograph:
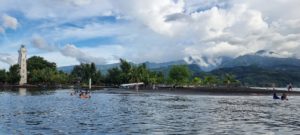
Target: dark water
[56,112]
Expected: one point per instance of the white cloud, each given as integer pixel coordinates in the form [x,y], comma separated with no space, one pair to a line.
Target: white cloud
[69,50]
[156,30]
[275,10]
[59,59]
[151,13]
[9,22]
[60,10]
[111,53]
[87,31]
[73,52]
[40,43]
[235,30]
[8,59]
[80,2]
[224,49]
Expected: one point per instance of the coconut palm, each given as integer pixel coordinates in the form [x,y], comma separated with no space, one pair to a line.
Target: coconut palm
[210,80]
[197,81]
[229,79]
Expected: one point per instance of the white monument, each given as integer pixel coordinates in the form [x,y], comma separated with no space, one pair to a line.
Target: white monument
[23,66]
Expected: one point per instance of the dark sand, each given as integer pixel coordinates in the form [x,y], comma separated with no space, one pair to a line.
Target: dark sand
[208,91]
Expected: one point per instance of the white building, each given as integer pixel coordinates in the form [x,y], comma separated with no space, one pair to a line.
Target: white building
[23,66]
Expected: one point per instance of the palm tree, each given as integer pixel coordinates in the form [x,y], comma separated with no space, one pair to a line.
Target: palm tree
[210,80]
[229,79]
[197,81]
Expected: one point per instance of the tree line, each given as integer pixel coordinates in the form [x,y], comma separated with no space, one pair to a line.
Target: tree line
[39,71]
[42,72]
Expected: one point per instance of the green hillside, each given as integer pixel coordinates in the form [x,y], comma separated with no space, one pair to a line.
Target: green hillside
[257,76]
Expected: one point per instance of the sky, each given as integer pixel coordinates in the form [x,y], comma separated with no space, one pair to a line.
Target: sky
[70,32]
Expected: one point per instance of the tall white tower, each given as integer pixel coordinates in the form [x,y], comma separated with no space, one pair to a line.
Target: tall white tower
[23,66]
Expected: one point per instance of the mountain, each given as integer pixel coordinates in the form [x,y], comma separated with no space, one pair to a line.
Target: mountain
[102,68]
[267,53]
[263,77]
[165,66]
[194,68]
[153,65]
[262,69]
[262,59]
[207,64]
[256,69]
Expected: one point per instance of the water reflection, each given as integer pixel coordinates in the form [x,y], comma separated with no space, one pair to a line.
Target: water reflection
[29,91]
[22,91]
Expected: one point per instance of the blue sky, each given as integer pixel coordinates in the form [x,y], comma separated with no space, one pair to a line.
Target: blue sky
[69,32]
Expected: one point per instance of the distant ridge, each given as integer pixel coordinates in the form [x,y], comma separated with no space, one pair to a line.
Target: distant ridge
[262,59]
[263,69]
[165,66]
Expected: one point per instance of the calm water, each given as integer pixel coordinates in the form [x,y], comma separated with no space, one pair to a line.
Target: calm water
[56,112]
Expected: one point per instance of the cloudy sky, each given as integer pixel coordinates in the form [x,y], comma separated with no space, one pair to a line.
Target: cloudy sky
[102,31]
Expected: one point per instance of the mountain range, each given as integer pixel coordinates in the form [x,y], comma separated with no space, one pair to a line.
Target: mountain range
[262,58]
[258,69]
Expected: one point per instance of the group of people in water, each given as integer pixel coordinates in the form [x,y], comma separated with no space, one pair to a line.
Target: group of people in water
[284,95]
[82,94]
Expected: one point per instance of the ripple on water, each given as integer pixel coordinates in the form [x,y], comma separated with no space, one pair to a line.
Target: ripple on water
[56,112]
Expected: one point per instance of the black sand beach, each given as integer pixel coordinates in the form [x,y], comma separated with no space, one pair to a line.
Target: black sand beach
[209,91]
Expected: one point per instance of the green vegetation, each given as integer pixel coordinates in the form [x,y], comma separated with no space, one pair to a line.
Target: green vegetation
[84,72]
[264,77]
[179,75]
[197,81]
[130,73]
[229,79]
[47,76]
[38,63]
[42,72]
[156,78]
[211,80]
[2,76]
[113,76]
[13,76]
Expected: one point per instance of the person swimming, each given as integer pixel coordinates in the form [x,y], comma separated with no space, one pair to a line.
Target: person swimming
[284,96]
[275,96]
[84,95]
[290,87]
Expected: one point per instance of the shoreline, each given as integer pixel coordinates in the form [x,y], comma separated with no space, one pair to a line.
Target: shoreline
[188,91]
[51,87]
[209,91]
